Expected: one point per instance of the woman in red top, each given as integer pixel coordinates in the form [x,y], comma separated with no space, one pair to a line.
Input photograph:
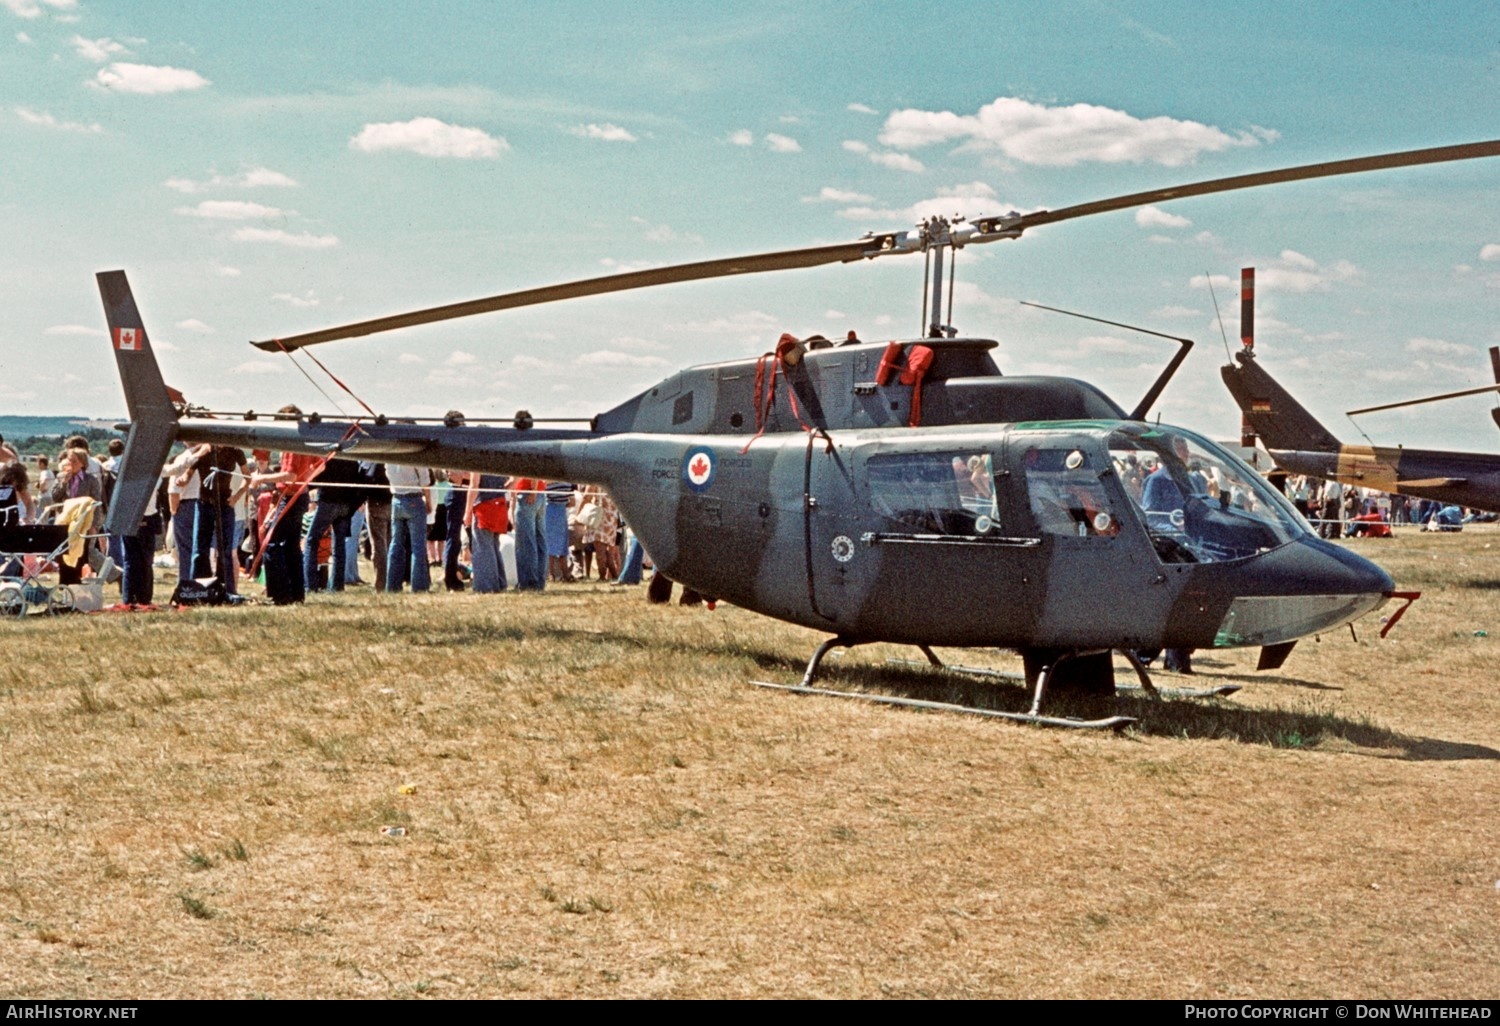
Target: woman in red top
[281,554]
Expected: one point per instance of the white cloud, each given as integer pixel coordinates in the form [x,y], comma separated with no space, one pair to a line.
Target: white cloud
[637,344]
[429,137]
[44,120]
[254,178]
[1218,281]
[626,266]
[663,232]
[1295,272]
[898,162]
[615,358]
[258,367]
[22,37]
[1490,252]
[782,143]
[226,272]
[527,362]
[194,325]
[1154,217]
[79,330]
[1176,311]
[828,194]
[606,132]
[1063,136]
[410,359]
[97,50]
[968,199]
[1438,346]
[1096,345]
[302,240]
[33,8]
[233,210]
[860,108]
[459,358]
[742,137]
[834,315]
[302,302]
[855,146]
[148,80]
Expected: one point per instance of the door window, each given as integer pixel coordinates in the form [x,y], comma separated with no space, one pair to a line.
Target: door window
[935,493]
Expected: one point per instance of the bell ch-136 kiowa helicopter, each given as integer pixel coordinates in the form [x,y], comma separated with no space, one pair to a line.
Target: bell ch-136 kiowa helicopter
[1299,444]
[900,492]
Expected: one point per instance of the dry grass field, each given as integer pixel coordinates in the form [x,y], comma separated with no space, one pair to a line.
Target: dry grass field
[596,804]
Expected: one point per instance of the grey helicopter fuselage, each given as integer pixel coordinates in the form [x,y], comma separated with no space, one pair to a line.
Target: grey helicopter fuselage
[1006,519]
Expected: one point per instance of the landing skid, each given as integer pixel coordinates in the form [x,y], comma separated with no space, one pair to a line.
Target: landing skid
[1110,723]
[1218,691]
[1032,716]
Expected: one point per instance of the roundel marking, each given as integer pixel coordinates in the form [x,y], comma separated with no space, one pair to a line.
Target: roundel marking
[698,468]
[842,548]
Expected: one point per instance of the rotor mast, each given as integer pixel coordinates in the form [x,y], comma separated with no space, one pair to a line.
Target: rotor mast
[936,235]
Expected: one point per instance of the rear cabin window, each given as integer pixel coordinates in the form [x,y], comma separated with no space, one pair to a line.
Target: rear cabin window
[935,493]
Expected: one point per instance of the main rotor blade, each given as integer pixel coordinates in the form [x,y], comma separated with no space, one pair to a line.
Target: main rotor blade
[889,243]
[813,256]
[1379,162]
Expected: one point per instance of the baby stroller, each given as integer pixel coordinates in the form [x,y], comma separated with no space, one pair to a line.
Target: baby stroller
[26,552]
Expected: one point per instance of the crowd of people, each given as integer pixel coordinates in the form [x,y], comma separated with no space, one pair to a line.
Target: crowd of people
[220,515]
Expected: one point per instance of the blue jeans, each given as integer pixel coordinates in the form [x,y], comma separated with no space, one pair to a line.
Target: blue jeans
[453,546]
[531,542]
[334,514]
[635,556]
[192,538]
[215,529]
[408,555]
[489,572]
[351,547]
[139,576]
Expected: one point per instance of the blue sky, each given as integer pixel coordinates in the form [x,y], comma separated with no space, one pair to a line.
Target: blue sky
[264,169]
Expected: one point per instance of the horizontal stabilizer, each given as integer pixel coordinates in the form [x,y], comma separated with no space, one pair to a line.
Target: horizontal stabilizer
[1432,482]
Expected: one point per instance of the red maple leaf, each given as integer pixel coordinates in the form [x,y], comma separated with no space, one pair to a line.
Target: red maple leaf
[699,466]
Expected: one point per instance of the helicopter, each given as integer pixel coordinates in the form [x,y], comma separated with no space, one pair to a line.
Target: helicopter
[1299,444]
[902,491]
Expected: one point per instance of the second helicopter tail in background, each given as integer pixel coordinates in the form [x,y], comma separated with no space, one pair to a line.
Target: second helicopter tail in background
[1281,422]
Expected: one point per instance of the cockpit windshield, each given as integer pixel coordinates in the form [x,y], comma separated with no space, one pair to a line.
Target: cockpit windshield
[1200,503]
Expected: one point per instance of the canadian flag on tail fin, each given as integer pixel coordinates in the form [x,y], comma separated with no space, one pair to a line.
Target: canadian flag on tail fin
[129,340]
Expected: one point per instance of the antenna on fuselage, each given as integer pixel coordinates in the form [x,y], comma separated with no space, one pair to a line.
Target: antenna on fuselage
[1154,392]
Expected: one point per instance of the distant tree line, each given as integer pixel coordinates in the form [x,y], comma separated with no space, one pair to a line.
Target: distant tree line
[98,438]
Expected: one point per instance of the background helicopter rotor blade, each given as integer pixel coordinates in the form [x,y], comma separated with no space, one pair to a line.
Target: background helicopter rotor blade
[986,229]
[786,259]
[1379,162]
[1427,399]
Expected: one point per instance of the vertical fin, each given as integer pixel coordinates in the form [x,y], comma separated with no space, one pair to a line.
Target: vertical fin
[1280,421]
[153,419]
[1495,363]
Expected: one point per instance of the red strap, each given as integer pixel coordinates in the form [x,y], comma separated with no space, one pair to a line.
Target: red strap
[290,495]
[765,389]
[918,361]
